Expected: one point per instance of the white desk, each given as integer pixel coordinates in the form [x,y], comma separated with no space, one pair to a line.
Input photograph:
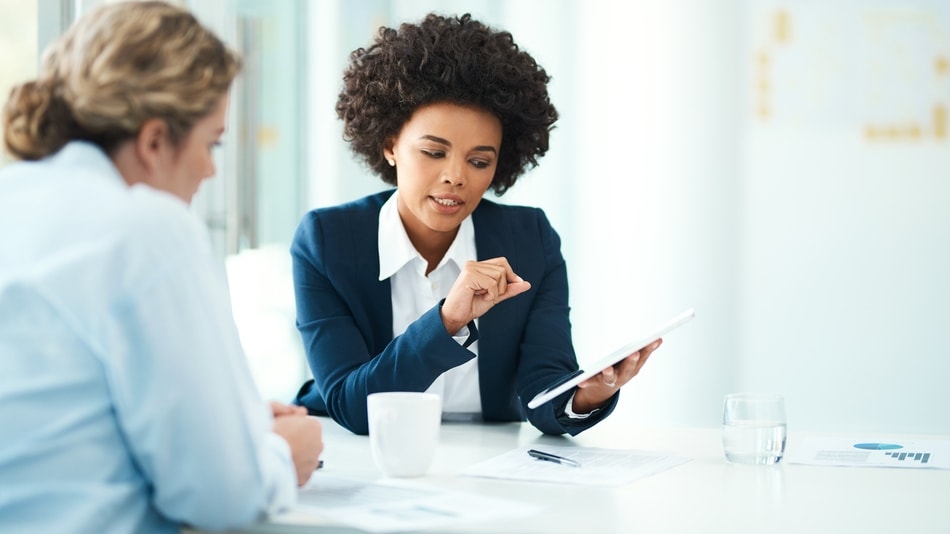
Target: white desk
[705,495]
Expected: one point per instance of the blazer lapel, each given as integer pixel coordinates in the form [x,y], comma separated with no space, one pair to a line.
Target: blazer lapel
[493,238]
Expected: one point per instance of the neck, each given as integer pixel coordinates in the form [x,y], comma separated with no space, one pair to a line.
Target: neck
[432,246]
[128,164]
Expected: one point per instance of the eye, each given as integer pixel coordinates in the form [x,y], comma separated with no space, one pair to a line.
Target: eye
[435,154]
[480,164]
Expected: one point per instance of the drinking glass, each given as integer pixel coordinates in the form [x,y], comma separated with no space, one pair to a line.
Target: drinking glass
[753,428]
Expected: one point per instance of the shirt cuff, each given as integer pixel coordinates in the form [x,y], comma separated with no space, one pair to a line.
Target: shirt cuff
[570,413]
[467,335]
[280,473]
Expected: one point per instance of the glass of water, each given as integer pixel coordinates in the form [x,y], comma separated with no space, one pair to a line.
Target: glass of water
[753,428]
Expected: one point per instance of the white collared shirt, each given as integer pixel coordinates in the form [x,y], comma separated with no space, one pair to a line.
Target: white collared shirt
[414,293]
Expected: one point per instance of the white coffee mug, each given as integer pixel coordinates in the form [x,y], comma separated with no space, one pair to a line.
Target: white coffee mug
[403,431]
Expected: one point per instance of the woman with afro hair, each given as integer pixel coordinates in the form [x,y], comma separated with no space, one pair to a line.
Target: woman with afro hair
[428,286]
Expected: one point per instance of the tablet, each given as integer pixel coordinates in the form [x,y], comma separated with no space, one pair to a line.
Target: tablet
[612,358]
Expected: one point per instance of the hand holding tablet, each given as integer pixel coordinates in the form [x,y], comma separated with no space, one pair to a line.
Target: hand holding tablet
[609,360]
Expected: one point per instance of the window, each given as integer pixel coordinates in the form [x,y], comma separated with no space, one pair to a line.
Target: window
[254,204]
[18,47]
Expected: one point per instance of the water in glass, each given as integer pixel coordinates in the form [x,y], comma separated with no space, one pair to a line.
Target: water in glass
[754,442]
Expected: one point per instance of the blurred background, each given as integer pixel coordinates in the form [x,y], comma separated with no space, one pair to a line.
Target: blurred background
[781,166]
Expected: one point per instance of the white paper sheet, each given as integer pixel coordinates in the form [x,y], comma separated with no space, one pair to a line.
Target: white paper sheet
[599,467]
[389,506]
[863,452]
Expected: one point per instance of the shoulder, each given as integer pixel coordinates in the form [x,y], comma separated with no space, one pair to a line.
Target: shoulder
[139,215]
[162,217]
[522,234]
[351,225]
[89,220]
[357,216]
[350,211]
[159,235]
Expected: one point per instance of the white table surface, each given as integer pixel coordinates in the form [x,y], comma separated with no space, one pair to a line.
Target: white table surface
[704,495]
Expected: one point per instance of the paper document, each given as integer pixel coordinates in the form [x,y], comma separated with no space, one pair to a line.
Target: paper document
[385,506]
[598,467]
[915,454]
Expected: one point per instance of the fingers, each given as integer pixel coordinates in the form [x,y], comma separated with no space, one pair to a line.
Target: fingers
[278,409]
[630,366]
[616,376]
[645,353]
[513,289]
[304,436]
[502,262]
[609,377]
[490,278]
[479,286]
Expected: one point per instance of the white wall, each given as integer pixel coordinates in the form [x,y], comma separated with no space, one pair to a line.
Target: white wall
[657,197]
[845,247]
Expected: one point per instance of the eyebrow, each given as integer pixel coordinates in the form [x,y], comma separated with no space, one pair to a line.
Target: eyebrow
[446,142]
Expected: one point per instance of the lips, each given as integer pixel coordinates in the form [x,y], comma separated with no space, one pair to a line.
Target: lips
[448,204]
[447,201]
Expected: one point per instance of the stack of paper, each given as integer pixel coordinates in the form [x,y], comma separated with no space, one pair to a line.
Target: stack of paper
[391,506]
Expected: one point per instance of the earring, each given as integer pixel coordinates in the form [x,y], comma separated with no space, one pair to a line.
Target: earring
[391,162]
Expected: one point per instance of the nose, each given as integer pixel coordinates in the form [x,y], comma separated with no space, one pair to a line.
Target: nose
[211,170]
[454,173]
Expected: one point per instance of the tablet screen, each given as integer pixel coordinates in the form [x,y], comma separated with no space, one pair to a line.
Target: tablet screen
[608,360]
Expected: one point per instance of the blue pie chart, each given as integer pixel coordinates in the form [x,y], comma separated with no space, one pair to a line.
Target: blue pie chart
[878,446]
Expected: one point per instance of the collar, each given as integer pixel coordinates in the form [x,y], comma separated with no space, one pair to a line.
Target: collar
[395,249]
[83,154]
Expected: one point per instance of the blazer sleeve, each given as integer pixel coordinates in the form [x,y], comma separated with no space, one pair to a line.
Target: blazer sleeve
[347,340]
[546,350]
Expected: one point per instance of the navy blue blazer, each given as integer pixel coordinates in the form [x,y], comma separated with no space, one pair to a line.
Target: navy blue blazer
[344,315]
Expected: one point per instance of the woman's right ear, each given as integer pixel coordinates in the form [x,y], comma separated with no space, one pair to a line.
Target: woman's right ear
[389,154]
[151,144]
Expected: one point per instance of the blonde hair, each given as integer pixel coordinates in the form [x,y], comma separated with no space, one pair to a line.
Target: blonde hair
[114,69]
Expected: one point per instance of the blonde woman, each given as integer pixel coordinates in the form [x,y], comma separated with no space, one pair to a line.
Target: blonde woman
[127,404]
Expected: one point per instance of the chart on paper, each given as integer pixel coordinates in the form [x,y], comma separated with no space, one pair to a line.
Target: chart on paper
[932,454]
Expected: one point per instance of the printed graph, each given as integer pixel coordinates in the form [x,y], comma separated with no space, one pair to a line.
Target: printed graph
[922,457]
[893,451]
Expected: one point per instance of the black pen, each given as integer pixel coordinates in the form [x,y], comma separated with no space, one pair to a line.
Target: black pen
[548,457]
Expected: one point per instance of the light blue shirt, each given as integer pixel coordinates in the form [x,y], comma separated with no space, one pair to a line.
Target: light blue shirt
[126,403]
